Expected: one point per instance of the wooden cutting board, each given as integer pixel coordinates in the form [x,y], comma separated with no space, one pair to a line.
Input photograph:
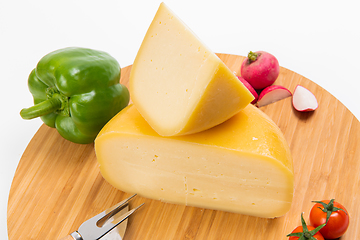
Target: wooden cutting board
[57,184]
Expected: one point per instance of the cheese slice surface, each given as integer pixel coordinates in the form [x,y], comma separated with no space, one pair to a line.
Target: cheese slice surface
[243,165]
[178,84]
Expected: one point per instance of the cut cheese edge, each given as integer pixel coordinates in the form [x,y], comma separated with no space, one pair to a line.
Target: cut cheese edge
[178,84]
[243,165]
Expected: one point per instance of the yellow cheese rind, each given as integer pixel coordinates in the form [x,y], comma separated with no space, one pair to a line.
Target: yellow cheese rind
[243,165]
[178,84]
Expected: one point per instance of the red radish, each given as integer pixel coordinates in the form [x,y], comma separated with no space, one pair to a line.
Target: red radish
[251,89]
[260,69]
[303,100]
[272,94]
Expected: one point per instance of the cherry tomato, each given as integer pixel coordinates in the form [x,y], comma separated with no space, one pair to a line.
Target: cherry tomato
[338,218]
[306,232]
[299,229]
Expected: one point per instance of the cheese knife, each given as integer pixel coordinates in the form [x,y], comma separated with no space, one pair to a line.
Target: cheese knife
[105,223]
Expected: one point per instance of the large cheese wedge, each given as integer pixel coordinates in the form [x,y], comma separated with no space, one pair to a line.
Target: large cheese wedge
[178,84]
[242,165]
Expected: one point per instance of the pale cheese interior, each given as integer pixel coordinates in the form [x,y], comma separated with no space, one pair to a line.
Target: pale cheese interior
[178,84]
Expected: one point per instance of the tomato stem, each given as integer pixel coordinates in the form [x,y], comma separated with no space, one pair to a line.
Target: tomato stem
[329,208]
[306,234]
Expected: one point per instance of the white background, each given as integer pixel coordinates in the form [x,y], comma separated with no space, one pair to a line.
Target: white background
[317,39]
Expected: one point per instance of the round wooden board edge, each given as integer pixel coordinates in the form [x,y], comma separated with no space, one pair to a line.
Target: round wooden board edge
[127,69]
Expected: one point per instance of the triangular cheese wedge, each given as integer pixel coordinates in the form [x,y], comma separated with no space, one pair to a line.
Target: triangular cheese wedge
[178,84]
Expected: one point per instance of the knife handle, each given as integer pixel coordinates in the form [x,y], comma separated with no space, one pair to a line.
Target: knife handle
[72,236]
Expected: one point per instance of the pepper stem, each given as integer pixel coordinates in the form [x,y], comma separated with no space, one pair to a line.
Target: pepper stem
[48,106]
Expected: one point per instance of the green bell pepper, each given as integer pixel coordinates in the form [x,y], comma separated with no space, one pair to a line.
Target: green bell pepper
[76,91]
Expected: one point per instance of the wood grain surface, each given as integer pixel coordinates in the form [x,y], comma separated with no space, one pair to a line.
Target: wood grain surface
[57,184]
